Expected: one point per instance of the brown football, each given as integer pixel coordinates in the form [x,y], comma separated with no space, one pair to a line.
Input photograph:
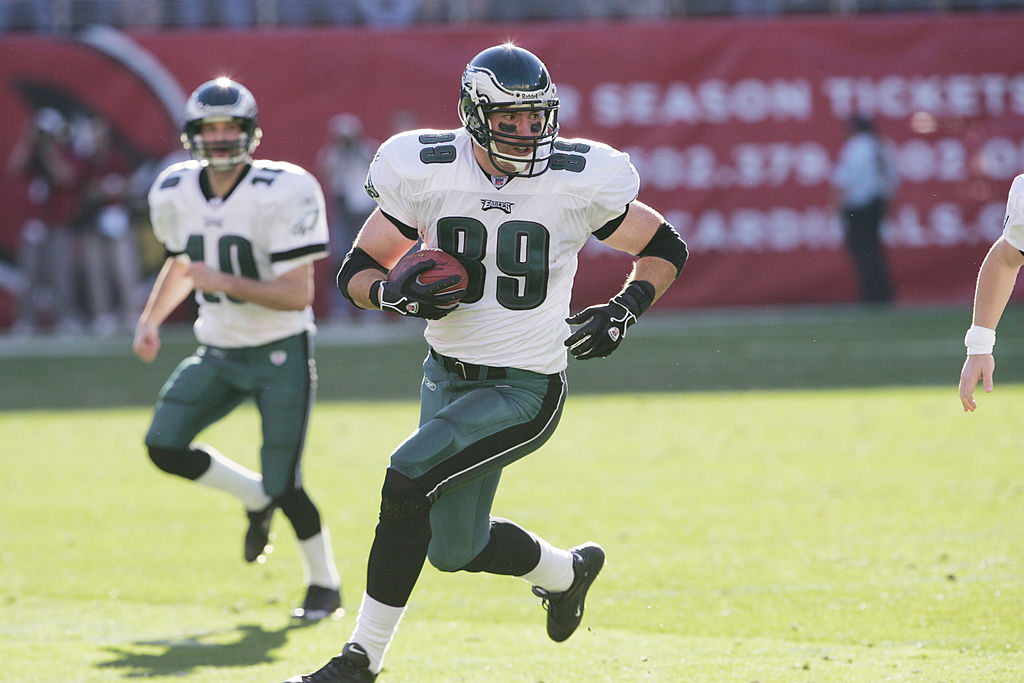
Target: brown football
[445,266]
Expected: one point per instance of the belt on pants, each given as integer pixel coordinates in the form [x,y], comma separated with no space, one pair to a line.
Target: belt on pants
[468,370]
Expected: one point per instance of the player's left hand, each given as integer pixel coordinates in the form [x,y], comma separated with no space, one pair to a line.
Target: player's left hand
[977,367]
[205,278]
[601,328]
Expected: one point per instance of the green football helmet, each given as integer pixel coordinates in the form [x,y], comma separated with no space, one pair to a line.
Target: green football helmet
[221,99]
[509,78]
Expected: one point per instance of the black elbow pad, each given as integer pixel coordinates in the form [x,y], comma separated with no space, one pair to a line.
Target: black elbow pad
[667,244]
[355,261]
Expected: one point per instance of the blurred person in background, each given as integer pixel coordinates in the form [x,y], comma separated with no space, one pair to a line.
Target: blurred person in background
[996,279]
[342,162]
[109,248]
[193,14]
[43,158]
[388,13]
[533,10]
[865,180]
[243,234]
[623,9]
[27,15]
[313,12]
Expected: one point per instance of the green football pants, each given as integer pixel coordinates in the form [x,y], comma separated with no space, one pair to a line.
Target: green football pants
[469,430]
[206,386]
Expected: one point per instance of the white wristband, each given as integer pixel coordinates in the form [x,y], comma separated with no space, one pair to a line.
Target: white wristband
[979,340]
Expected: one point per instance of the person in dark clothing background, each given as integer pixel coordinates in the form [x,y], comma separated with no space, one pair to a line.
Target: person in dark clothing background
[865,179]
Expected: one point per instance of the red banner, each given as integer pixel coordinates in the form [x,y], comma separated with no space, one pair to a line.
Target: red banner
[734,126]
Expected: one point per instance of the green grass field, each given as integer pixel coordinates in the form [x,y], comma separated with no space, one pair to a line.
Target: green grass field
[814,529]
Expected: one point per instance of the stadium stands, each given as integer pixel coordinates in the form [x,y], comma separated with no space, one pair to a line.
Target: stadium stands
[66,16]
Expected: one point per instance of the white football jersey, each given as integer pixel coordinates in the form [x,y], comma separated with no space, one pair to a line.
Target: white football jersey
[272,222]
[1013,224]
[519,242]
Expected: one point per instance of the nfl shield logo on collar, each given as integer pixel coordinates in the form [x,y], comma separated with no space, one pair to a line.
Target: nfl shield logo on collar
[278,357]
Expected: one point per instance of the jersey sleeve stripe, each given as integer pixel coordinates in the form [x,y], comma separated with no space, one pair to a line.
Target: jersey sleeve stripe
[407,230]
[300,251]
[606,230]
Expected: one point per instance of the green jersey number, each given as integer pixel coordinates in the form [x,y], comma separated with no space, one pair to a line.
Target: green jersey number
[234,256]
[521,257]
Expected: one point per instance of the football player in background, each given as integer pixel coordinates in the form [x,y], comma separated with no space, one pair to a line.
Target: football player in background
[244,235]
[996,280]
[515,204]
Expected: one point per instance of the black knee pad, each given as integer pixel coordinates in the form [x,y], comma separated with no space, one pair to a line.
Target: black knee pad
[400,541]
[402,500]
[185,462]
[510,551]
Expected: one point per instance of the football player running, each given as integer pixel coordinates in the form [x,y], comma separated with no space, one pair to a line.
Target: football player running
[244,235]
[515,204]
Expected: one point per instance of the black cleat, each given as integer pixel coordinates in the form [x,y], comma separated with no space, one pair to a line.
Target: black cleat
[351,665]
[320,603]
[257,536]
[565,609]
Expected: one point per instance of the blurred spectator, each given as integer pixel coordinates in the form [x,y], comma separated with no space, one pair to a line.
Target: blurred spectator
[624,9]
[141,14]
[388,13]
[106,12]
[194,14]
[452,11]
[403,120]
[533,10]
[308,12]
[109,248]
[43,158]
[865,180]
[756,7]
[342,163]
[26,15]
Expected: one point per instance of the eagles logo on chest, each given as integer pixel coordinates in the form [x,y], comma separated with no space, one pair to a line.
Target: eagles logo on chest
[488,204]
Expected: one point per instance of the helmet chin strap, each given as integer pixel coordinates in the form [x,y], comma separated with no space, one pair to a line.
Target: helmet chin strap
[245,146]
[226,164]
[521,166]
[517,166]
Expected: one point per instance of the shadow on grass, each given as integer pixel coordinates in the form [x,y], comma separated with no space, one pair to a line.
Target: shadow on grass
[253,645]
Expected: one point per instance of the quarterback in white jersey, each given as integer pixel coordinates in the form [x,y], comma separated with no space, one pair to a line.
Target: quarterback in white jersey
[996,280]
[271,222]
[244,235]
[514,204]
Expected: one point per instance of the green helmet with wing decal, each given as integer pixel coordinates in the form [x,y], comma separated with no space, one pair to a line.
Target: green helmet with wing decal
[221,99]
[508,78]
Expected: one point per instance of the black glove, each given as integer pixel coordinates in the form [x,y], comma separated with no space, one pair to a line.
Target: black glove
[602,328]
[407,296]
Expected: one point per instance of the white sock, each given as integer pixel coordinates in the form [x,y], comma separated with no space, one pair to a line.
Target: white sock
[227,475]
[554,571]
[318,561]
[375,627]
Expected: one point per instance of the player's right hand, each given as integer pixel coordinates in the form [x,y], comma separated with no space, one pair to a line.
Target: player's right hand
[977,367]
[146,343]
[408,296]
